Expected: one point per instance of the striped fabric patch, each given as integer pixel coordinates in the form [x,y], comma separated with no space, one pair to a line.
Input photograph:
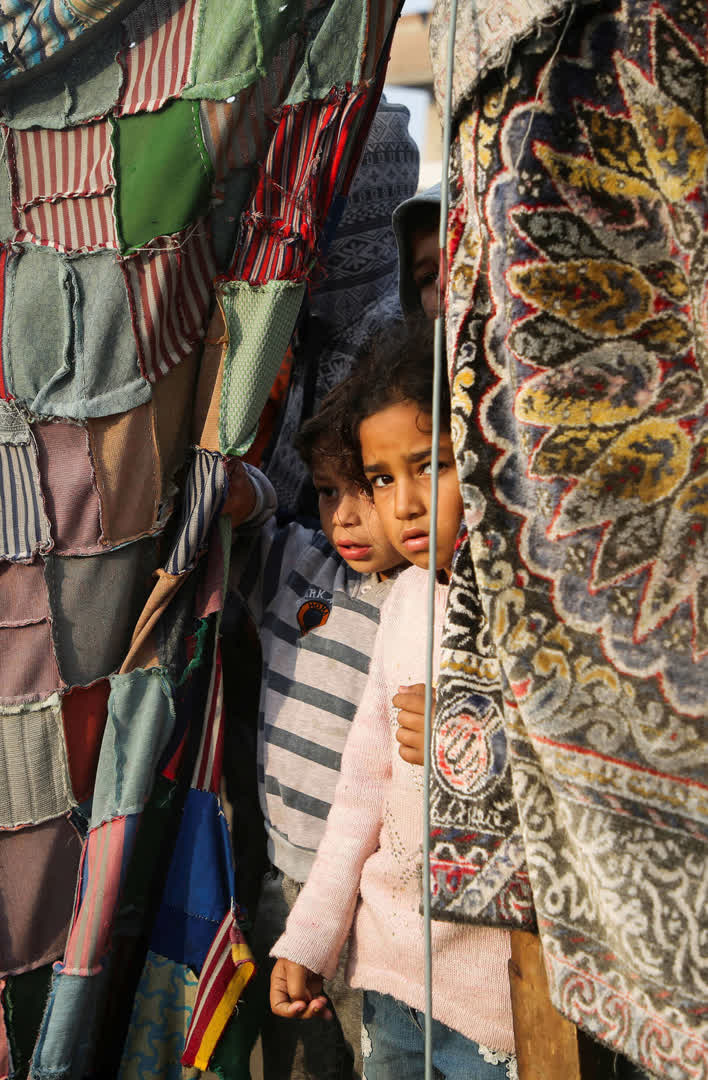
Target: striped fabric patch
[104,861]
[204,493]
[169,286]
[227,970]
[296,189]
[84,224]
[156,62]
[74,161]
[24,528]
[207,770]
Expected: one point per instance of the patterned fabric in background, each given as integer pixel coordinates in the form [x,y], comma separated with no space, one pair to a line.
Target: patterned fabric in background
[578,261]
[143,323]
[355,294]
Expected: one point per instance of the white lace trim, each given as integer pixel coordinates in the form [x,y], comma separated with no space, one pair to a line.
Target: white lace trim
[498,1057]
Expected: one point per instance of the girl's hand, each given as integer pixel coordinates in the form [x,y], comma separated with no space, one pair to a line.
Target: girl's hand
[296,992]
[410,702]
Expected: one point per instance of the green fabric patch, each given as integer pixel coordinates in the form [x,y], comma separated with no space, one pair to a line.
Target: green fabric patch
[260,320]
[334,56]
[235,44]
[24,999]
[74,92]
[163,170]
[233,1050]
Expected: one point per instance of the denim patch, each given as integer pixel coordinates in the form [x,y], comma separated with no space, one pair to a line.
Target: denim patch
[69,347]
[67,1034]
[34,779]
[140,720]
[82,591]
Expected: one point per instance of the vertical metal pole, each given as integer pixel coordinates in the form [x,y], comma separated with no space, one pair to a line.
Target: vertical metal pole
[439,362]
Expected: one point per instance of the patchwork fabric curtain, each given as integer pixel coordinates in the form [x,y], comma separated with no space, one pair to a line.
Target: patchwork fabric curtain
[162,201]
[575,666]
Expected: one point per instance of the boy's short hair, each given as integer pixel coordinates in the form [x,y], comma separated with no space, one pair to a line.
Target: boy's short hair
[328,432]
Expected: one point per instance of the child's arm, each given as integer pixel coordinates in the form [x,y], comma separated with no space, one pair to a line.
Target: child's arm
[250,499]
[320,921]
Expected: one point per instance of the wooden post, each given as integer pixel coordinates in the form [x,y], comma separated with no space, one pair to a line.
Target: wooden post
[548,1047]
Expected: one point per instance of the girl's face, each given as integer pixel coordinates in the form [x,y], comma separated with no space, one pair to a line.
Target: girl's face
[396,448]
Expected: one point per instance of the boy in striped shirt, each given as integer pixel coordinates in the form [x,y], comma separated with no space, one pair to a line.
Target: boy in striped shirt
[315,597]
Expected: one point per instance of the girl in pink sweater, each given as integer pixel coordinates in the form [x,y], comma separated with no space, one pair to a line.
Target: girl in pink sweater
[367,874]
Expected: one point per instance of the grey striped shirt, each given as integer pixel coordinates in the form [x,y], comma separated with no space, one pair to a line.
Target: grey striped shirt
[317,619]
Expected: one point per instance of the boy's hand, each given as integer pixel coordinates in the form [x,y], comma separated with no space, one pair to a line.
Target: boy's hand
[241,496]
[410,702]
[296,992]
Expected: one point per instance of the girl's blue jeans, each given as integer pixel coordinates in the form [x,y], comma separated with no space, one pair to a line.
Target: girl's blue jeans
[393,1046]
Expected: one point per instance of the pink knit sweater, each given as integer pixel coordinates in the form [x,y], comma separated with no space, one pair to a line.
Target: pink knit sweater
[368,867]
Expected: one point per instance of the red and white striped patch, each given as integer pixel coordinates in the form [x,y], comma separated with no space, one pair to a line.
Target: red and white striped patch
[207,769]
[169,285]
[70,224]
[296,189]
[157,58]
[75,161]
[227,970]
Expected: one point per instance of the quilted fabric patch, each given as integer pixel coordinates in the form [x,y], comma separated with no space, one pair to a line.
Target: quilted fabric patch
[231,54]
[79,359]
[130,751]
[34,779]
[125,457]
[199,884]
[28,671]
[77,91]
[163,1008]
[24,528]
[204,492]
[104,861]
[36,904]
[148,201]
[81,590]
[157,56]
[260,321]
[68,487]
[169,284]
[84,711]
